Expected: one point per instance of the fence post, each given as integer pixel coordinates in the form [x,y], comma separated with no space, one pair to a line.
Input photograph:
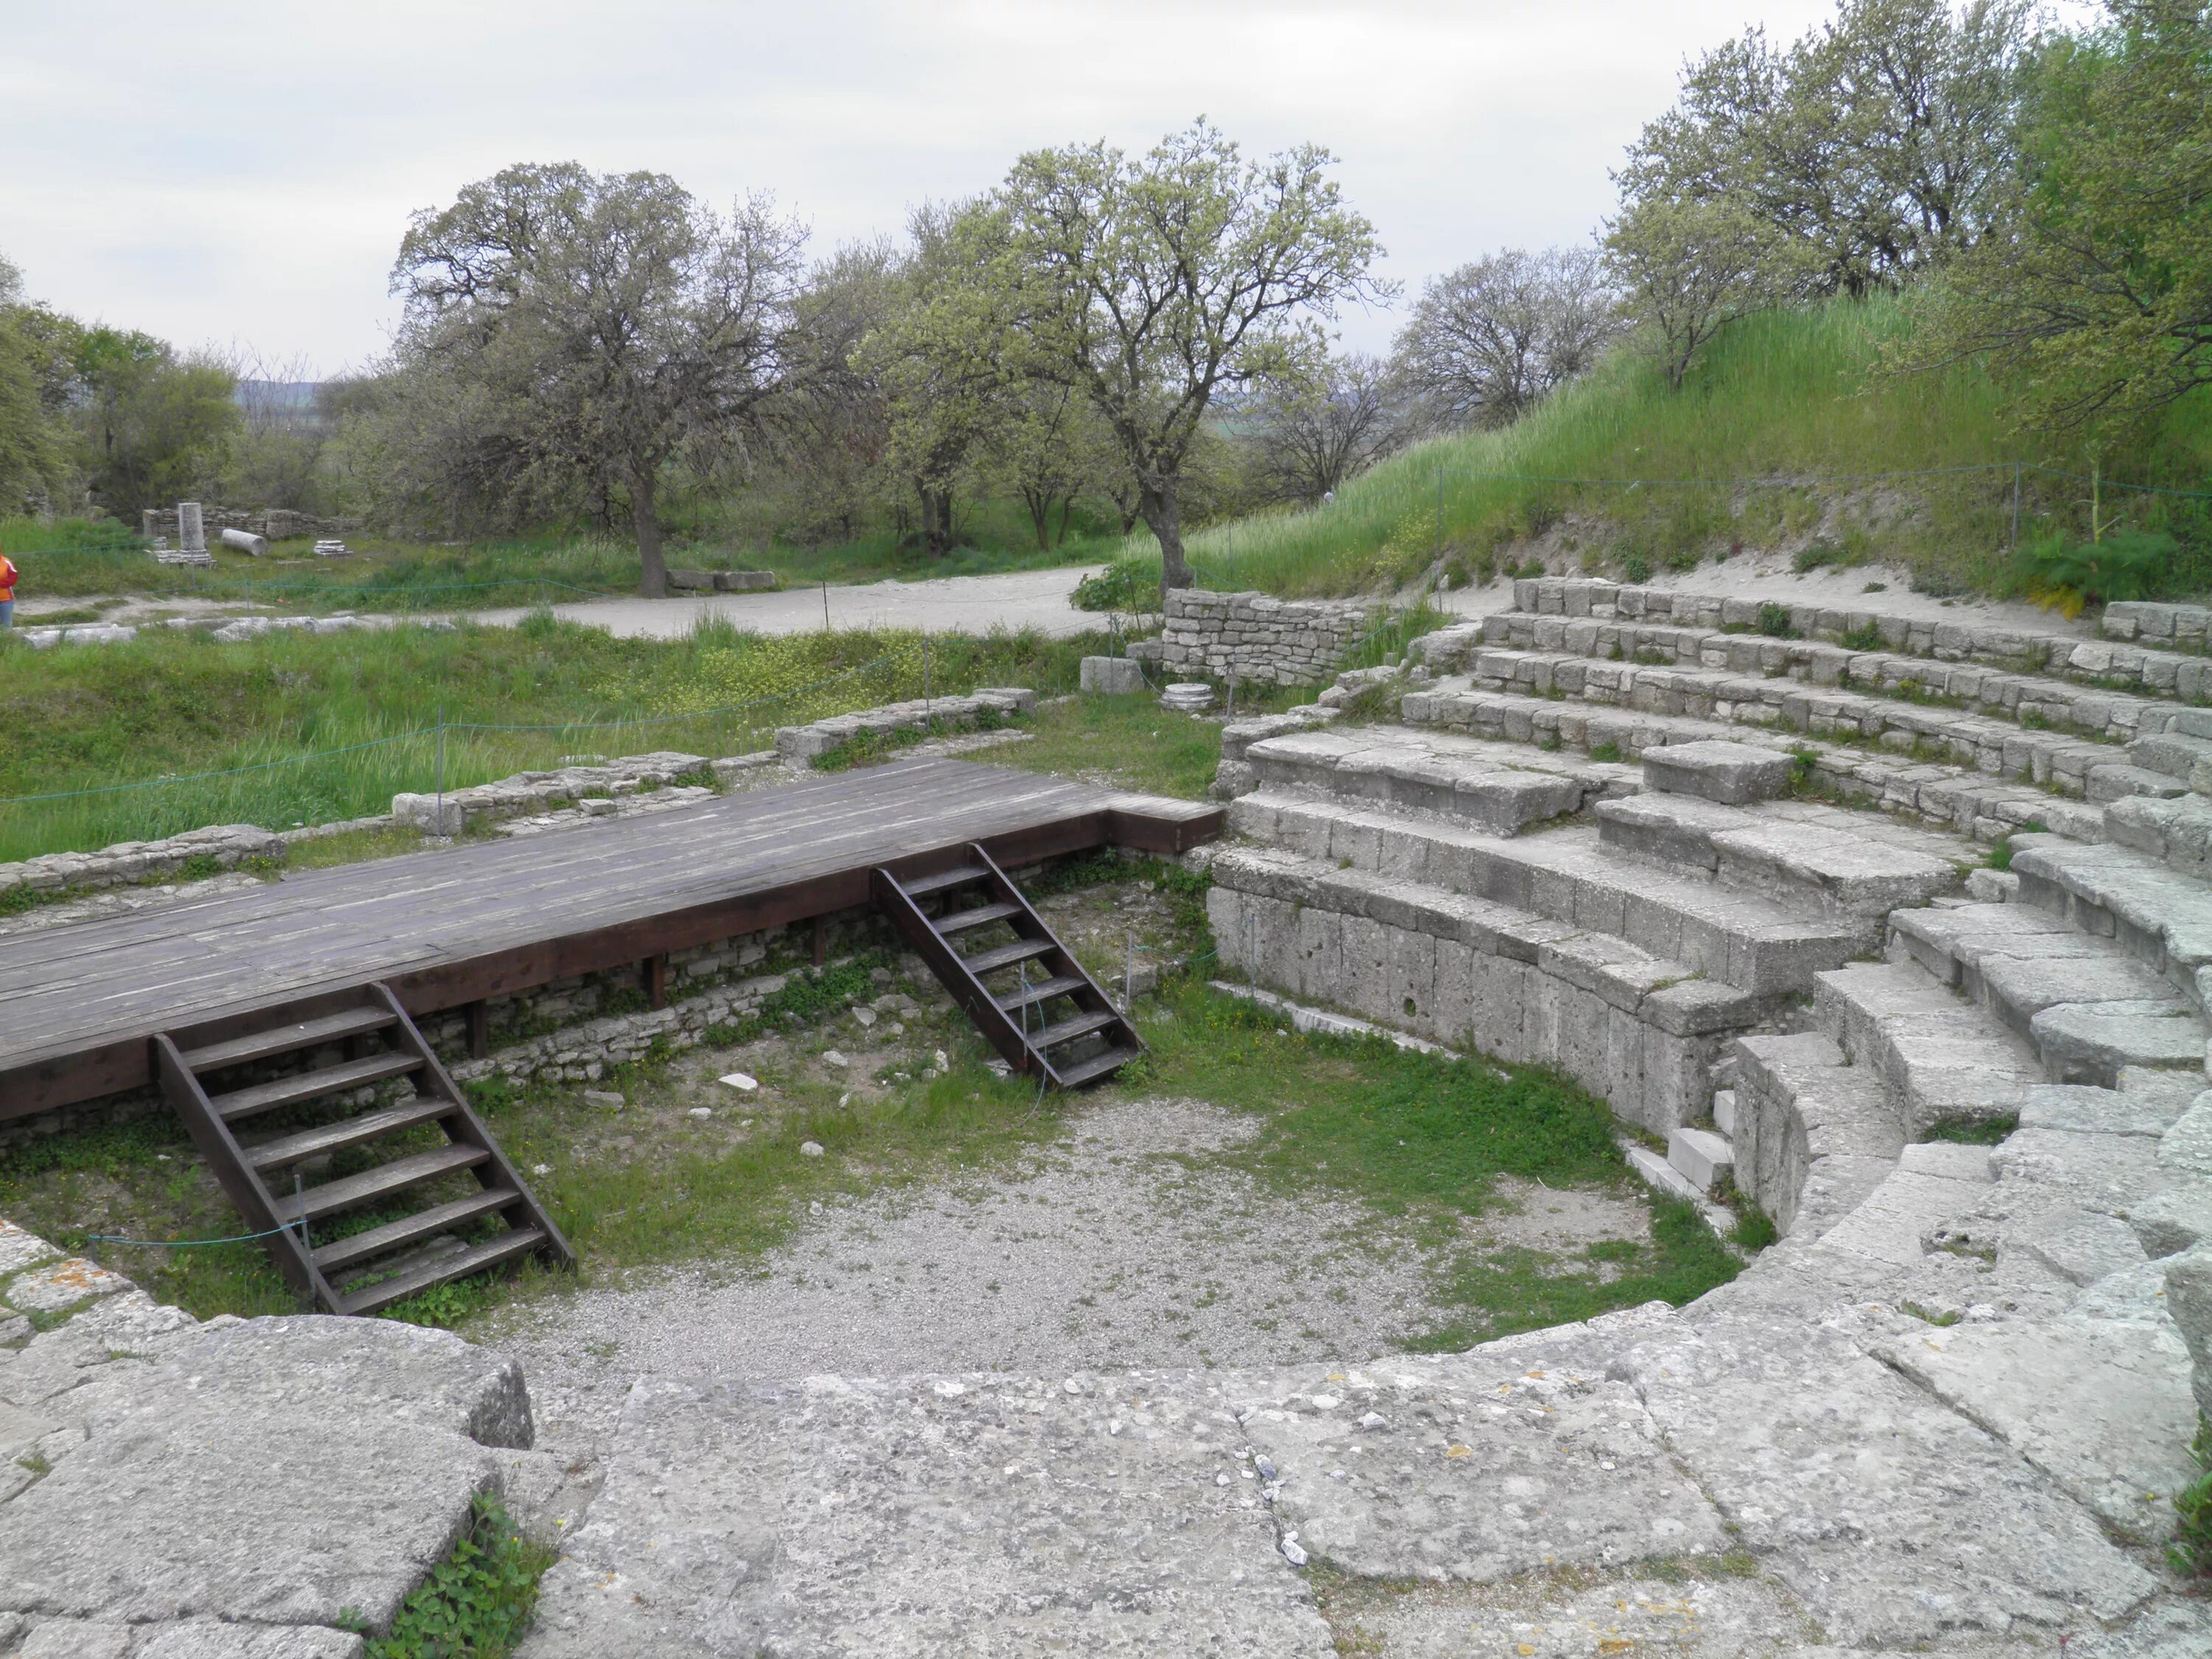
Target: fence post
[1440,506]
[825,604]
[441,768]
[925,674]
[2015,507]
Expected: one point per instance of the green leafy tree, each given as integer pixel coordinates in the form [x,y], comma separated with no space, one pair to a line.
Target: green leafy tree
[1875,146]
[1151,284]
[942,358]
[1687,267]
[154,427]
[2095,302]
[35,443]
[570,333]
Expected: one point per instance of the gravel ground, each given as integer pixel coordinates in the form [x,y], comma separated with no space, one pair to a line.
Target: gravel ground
[1107,1250]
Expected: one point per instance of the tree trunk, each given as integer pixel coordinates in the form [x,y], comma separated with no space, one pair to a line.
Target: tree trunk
[1067,506]
[1163,514]
[653,573]
[1039,503]
[936,521]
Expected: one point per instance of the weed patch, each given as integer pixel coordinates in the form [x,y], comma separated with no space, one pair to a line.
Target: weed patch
[477,1601]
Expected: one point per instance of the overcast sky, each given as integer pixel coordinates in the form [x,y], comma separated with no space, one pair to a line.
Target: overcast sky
[241,173]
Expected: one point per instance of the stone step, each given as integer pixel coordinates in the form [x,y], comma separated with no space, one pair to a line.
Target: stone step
[1998,744]
[1702,1156]
[1812,1135]
[2177,832]
[1840,862]
[2177,755]
[2144,669]
[1940,1056]
[1641,1030]
[2088,1008]
[2093,710]
[1962,798]
[1500,788]
[1756,943]
[2149,910]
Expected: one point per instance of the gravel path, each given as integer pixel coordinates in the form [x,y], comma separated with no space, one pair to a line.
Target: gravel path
[1105,1250]
[964,604]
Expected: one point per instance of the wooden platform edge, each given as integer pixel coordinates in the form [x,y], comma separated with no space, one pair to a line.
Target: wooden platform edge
[1157,825]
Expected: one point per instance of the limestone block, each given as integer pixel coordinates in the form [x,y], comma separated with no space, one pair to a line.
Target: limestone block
[1112,676]
[1733,774]
[235,1444]
[2101,1406]
[1894,1517]
[1701,1156]
[2189,1301]
[1476,1472]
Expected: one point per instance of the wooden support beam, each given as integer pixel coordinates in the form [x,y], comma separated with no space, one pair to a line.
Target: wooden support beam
[821,941]
[478,1014]
[653,971]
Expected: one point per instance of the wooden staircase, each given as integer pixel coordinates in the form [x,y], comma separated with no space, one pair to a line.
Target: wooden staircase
[313,1230]
[1049,1018]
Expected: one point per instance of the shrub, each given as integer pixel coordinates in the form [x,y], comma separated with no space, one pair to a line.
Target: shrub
[1636,567]
[477,1601]
[2066,575]
[1774,622]
[1125,585]
[1865,638]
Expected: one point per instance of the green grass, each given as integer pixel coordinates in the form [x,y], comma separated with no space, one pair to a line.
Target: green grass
[170,705]
[1426,1138]
[1131,742]
[1783,394]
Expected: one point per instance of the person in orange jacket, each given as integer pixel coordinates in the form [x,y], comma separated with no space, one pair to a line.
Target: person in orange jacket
[7,592]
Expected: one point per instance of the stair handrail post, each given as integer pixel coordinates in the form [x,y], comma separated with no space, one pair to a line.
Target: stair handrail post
[300,1205]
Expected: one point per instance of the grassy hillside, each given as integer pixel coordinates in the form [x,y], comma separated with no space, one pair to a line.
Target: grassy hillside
[1798,393]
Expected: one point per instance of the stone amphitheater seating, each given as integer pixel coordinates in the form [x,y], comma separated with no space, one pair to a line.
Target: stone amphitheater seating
[1781,943]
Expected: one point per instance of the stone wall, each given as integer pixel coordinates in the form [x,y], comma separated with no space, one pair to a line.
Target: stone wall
[1471,975]
[1256,638]
[274,522]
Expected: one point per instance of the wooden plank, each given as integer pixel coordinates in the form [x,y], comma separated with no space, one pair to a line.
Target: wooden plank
[452,927]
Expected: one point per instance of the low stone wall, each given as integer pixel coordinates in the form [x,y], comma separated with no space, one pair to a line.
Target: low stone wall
[1254,637]
[228,845]
[985,703]
[458,810]
[2176,626]
[274,522]
[1470,975]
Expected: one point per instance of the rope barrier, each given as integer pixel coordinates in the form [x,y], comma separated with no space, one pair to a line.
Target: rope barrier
[184,1244]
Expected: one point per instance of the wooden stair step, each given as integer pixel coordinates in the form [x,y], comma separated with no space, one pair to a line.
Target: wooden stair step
[1043,991]
[474,1260]
[288,1039]
[281,1154]
[349,1192]
[310,1085]
[1005,956]
[960,875]
[982,916]
[359,1247]
[1074,1077]
[1067,1030]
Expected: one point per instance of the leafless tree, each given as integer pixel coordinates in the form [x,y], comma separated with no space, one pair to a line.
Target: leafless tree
[1486,343]
[1315,434]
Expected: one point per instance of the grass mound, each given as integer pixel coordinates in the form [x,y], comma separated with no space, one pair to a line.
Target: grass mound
[1638,478]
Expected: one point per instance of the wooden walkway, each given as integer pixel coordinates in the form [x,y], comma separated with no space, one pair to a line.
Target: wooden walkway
[80,1003]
